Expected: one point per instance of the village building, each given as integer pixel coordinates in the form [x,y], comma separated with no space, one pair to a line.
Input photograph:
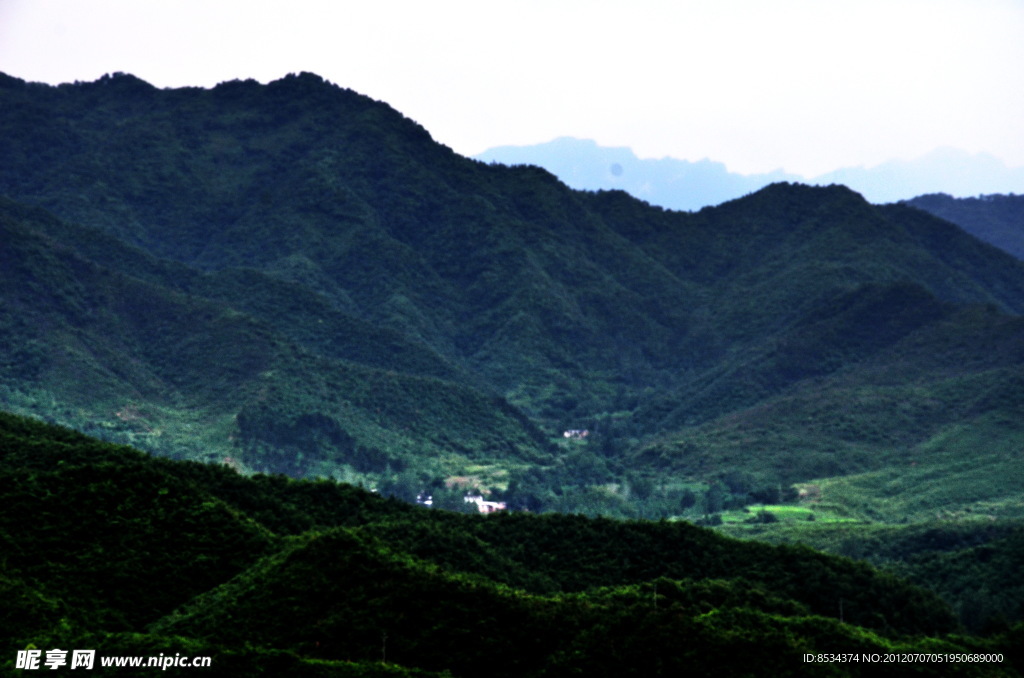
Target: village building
[484,506]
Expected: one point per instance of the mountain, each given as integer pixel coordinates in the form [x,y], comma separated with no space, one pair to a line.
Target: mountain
[684,185]
[159,360]
[997,219]
[946,170]
[136,556]
[667,182]
[295,278]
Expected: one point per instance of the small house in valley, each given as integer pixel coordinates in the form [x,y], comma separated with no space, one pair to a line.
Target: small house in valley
[484,506]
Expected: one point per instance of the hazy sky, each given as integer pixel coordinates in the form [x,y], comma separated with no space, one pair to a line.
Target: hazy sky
[803,85]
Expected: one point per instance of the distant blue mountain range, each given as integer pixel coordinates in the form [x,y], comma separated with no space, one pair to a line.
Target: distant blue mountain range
[684,185]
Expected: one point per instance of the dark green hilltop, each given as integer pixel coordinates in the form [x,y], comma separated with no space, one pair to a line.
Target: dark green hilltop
[296,286]
[111,549]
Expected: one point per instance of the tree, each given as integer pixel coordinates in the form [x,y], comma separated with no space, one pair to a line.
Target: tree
[714,498]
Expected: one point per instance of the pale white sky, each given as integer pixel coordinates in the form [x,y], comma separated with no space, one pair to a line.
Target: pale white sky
[803,85]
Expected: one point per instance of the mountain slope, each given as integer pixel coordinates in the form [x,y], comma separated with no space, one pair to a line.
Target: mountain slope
[686,185]
[667,182]
[997,219]
[148,362]
[271,576]
[298,278]
[942,169]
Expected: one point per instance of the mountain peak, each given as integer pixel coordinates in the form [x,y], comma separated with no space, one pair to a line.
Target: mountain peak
[688,185]
[387,295]
[794,198]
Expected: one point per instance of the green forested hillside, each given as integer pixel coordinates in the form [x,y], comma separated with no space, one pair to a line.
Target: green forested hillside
[152,362]
[293,278]
[108,548]
[997,219]
[290,237]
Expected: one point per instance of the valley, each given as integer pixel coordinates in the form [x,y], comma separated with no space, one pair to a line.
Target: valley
[294,280]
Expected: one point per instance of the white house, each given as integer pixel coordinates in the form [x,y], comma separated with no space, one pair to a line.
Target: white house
[484,506]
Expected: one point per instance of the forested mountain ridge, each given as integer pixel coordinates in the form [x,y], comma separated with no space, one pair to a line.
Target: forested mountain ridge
[186,375]
[300,279]
[998,219]
[687,185]
[133,555]
[668,182]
